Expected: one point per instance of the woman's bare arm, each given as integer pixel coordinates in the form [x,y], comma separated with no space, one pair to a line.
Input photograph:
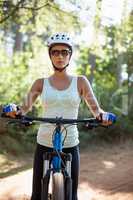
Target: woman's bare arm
[87,94]
[32,95]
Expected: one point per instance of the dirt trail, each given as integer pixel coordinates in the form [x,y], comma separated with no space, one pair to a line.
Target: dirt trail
[105,174]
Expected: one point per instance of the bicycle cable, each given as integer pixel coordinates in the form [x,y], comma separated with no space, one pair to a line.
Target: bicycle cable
[62,162]
[64,128]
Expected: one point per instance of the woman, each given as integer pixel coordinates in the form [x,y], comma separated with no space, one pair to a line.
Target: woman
[61,94]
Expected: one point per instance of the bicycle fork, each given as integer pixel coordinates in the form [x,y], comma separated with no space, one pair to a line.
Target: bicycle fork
[48,156]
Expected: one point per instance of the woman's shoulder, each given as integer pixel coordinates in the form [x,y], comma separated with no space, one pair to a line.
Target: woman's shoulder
[79,77]
[83,81]
[39,81]
[82,78]
[38,84]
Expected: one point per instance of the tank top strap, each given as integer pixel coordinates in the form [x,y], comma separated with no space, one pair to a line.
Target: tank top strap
[45,83]
[74,84]
[45,87]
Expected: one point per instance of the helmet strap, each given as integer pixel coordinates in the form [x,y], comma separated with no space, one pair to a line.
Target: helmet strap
[58,69]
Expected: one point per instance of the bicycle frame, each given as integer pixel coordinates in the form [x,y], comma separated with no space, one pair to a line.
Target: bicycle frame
[57,155]
[57,145]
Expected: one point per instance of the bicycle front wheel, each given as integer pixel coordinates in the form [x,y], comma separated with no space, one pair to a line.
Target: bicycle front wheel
[58,191]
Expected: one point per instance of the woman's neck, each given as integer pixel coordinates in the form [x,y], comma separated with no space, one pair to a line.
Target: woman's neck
[60,75]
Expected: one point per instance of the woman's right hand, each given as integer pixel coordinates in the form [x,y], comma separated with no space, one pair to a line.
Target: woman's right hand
[11,110]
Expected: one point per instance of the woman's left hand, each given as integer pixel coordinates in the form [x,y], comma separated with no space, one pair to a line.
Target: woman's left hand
[107,118]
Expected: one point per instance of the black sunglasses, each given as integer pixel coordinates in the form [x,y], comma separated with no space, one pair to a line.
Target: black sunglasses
[64,52]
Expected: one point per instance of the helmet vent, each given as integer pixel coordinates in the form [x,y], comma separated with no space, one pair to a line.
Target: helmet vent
[60,38]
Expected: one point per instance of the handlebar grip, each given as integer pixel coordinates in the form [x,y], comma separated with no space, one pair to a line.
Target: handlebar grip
[107,116]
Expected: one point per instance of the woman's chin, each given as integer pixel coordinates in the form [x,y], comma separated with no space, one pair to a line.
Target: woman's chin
[60,66]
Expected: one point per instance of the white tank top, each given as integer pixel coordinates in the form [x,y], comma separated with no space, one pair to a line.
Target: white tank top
[59,103]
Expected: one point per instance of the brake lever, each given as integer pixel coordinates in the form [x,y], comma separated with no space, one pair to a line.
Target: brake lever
[26,122]
[92,125]
[21,121]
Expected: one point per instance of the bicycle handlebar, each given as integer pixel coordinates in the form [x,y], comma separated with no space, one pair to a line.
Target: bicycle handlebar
[93,122]
[60,120]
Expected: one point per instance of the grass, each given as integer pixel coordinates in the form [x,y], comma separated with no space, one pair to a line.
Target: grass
[15,155]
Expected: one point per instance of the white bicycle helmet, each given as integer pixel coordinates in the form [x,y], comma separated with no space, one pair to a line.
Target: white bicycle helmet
[60,38]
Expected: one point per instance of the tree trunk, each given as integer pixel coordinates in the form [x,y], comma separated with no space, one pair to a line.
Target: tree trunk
[119,69]
[130,88]
[18,45]
[92,61]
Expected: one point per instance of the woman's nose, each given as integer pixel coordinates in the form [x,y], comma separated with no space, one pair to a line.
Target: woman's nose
[60,55]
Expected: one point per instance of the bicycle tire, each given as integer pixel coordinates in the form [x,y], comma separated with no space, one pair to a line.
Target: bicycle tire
[58,190]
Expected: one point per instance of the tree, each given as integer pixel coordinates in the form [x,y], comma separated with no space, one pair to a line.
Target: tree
[129,56]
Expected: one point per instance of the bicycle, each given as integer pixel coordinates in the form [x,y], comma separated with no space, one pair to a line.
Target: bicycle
[57,165]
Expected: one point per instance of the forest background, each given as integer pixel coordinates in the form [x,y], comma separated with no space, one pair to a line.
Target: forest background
[102,52]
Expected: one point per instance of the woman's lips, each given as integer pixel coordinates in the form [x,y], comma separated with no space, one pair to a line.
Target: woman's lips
[60,62]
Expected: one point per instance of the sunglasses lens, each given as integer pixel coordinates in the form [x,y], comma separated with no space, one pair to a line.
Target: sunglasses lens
[55,52]
[64,52]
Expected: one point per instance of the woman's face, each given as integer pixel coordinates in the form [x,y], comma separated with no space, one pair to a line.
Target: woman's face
[60,55]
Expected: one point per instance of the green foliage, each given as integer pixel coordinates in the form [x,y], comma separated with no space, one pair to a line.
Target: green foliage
[113,93]
[121,131]
[9,144]
[25,26]
[13,78]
